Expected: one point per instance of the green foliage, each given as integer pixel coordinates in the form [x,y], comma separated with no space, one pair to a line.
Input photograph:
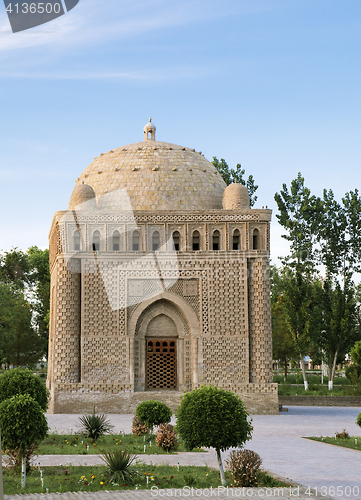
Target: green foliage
[213,418]
[23,318]
[356,353]
[236,175]
[19,342]
[299,301]
[244,466]
[153,413]
[166,438]
[338,328]
[93,426]
[23,426]
[40,281]
[15,268]
[299,213]
[20,382]
[119,465]
[358,420]
[282,341]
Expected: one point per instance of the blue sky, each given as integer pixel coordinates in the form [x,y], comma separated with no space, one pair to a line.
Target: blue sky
[271,84]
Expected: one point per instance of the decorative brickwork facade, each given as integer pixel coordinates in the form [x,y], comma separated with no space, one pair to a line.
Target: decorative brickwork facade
[156,287]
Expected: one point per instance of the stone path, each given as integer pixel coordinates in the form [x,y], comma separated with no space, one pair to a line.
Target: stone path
[334,471]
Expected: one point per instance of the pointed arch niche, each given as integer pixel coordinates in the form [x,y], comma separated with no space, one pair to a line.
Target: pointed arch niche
[162,347]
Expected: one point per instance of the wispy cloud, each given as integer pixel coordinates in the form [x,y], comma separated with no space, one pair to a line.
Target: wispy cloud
[148,75]
[93,22]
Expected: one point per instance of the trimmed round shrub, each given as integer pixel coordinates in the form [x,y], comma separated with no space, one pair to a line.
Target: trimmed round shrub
[244,467]
[213,418]
[23,427]
[166,438]
[153,413]
[19,381]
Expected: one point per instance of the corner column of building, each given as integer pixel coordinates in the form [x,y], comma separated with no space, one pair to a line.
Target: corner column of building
[259,317]
[66,361]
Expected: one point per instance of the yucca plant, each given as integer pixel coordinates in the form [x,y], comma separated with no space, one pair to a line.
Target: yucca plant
[119,465]
[94,426]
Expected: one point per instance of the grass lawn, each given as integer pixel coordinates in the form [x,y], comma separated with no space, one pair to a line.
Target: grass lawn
[316,390]
[63,479]
[350,442]
[294,386]
[70,444]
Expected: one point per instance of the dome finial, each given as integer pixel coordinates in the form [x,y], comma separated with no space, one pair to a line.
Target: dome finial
[149,131]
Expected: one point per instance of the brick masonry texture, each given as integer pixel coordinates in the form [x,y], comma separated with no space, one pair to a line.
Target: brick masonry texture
[117,280]
[320,400]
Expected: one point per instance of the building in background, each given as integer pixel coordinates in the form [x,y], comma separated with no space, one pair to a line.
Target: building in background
[159,284]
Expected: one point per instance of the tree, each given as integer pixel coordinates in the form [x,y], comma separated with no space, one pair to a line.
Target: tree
[15,268]
[338,326]
[282,342]
[213,418]
[24,308]
[40,281]
[19,344]
[301,313]
[299,214]
[236,175]
[153,413]
[23,426]
[19,382]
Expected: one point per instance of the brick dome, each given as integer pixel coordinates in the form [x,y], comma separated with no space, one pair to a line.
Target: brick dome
[157,176]
[81,193]
[235,197]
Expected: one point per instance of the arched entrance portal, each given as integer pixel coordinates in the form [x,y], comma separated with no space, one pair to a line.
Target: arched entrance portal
[161,354]
[162,348]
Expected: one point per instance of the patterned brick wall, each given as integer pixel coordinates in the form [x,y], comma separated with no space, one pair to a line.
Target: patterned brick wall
[67,324]
[259,320]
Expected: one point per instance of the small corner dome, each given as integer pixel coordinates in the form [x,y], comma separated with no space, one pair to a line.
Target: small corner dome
[81,194]
[235,197]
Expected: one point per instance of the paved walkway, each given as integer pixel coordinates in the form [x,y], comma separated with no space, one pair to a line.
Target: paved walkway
[334,471]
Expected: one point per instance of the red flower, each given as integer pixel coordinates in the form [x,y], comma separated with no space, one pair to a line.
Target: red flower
[171,477]
[86,484]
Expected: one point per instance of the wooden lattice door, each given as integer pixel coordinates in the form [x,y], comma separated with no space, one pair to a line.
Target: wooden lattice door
[161,364]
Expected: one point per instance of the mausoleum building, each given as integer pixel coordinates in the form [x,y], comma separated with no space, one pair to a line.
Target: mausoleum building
[159,284]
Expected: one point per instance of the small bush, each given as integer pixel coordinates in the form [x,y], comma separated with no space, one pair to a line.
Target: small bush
[23,427]
[343,435]
[139,428]
[20,381]
[244,467]
[353,373]
[358,420]
[166,438]
[119,465]
[94,426]
[153,413]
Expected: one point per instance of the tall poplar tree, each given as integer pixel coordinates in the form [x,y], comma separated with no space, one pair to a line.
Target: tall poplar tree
[299,215]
